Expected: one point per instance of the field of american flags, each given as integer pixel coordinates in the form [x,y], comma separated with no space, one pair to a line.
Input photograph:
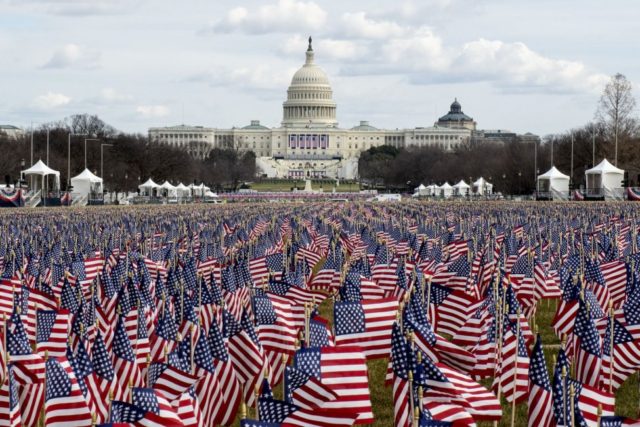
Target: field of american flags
[320,314]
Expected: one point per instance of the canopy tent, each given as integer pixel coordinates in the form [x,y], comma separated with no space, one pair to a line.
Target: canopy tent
[211,195]
[421,190]
[445,190]
[43,171]
[148,187]
[168,189]
[461,188]
[604,180]
[182,190]
[554,183]
[86,183]
[199,190]
[482,187]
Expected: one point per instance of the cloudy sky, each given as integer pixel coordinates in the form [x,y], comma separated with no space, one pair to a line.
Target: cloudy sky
[534,66]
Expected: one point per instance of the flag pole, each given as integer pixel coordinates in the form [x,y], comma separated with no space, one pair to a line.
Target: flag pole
[572,393]
[611,340]
[564,394]
[44,386]
[257,398]
[306,324]
[515,372]
[285,358]
[193,348]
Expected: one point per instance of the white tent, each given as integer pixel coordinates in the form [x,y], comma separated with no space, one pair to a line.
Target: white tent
[85,183]
[604,180]
[43,171]
[433,189]
[445,190]
[168,189]
[554,183]
[482,187]
[147,188]
[199,190]
[461,188]
[182,190]
[421,191]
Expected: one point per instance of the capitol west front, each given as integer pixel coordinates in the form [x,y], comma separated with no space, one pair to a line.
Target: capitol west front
[309,143]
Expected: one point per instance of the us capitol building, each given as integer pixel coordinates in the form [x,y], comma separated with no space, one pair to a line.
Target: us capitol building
[310,144]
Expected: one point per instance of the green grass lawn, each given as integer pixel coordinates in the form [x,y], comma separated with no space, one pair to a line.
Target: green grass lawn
[627,397]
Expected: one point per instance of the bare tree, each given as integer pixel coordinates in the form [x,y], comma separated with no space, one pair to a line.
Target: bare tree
[615,108]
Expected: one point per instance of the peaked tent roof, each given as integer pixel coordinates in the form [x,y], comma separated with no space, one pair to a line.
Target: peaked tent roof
[87,175]
[40,168]
[461,184]
[445,186]
[148,184]
[481,181]
[421,187]
[553,173]
[181,186]
[604,167]
[168,186]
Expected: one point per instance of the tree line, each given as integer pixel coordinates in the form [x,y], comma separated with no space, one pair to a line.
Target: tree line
[513,166]
[128,159]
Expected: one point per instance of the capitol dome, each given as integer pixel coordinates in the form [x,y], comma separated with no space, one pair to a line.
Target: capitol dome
[309,97]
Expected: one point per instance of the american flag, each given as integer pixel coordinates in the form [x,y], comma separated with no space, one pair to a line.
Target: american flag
[401,363]
[540,396]
[620,354]
[9,400]
[64,403]
[342,369]
[306,391]
[366,323]
[249,362]
[125,367]
[261,268]
[287,414]
[101,382]
[452,308]
[588,354]
[53,328]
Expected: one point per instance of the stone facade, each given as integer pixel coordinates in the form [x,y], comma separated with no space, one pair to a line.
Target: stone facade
[309,143]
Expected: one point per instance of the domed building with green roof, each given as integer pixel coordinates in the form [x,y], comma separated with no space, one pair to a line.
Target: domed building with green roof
[455,118]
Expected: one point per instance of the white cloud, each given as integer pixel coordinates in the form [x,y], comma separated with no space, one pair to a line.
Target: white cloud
[342,50]
[424,58]
[51,100]
[359,25]
[79,7]
[73,55]
[111,95]
[260,77]
[516,64]
[422,49]
[283,16]
[148,111]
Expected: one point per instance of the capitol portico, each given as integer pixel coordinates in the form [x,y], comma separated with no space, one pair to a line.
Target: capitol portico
[309,142]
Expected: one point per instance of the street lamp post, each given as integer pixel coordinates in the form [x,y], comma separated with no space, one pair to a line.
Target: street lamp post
[68,161]
[519,182]
[504,182]
[85,149]
[101,159]
[593,147]
[47,147]
[535,161]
